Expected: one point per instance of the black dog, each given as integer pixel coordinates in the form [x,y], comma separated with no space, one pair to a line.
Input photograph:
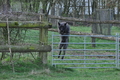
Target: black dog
[64,30]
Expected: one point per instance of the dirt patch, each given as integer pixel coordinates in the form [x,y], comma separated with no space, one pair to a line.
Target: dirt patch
[98,54]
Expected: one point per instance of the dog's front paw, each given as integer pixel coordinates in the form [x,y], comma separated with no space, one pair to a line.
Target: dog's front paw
[58,56]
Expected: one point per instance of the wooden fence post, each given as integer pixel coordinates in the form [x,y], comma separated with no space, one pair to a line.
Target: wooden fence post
[43,41]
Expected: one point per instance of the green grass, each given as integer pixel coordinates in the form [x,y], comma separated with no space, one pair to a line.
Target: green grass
[115,30]
[27,68]
[81,29]
[45,72]
[35,71]
[85,29]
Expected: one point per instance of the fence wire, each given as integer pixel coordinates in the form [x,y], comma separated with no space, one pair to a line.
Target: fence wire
[19,38]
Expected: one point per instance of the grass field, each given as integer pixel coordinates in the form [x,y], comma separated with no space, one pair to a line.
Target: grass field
[27,68]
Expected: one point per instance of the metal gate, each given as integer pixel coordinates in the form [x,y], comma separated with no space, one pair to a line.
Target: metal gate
[81,54]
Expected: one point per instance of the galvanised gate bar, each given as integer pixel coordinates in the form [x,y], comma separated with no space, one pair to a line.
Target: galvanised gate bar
[81,54]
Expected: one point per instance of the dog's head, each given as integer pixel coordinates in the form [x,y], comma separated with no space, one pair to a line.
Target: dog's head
[62,27]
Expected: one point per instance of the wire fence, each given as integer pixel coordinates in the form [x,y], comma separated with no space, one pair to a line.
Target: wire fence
[81,54]
[21,39]
[19,36]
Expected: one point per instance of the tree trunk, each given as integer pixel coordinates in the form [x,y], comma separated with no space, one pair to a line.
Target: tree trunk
[94,5]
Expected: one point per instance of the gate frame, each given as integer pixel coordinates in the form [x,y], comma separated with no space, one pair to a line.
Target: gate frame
[117,55]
